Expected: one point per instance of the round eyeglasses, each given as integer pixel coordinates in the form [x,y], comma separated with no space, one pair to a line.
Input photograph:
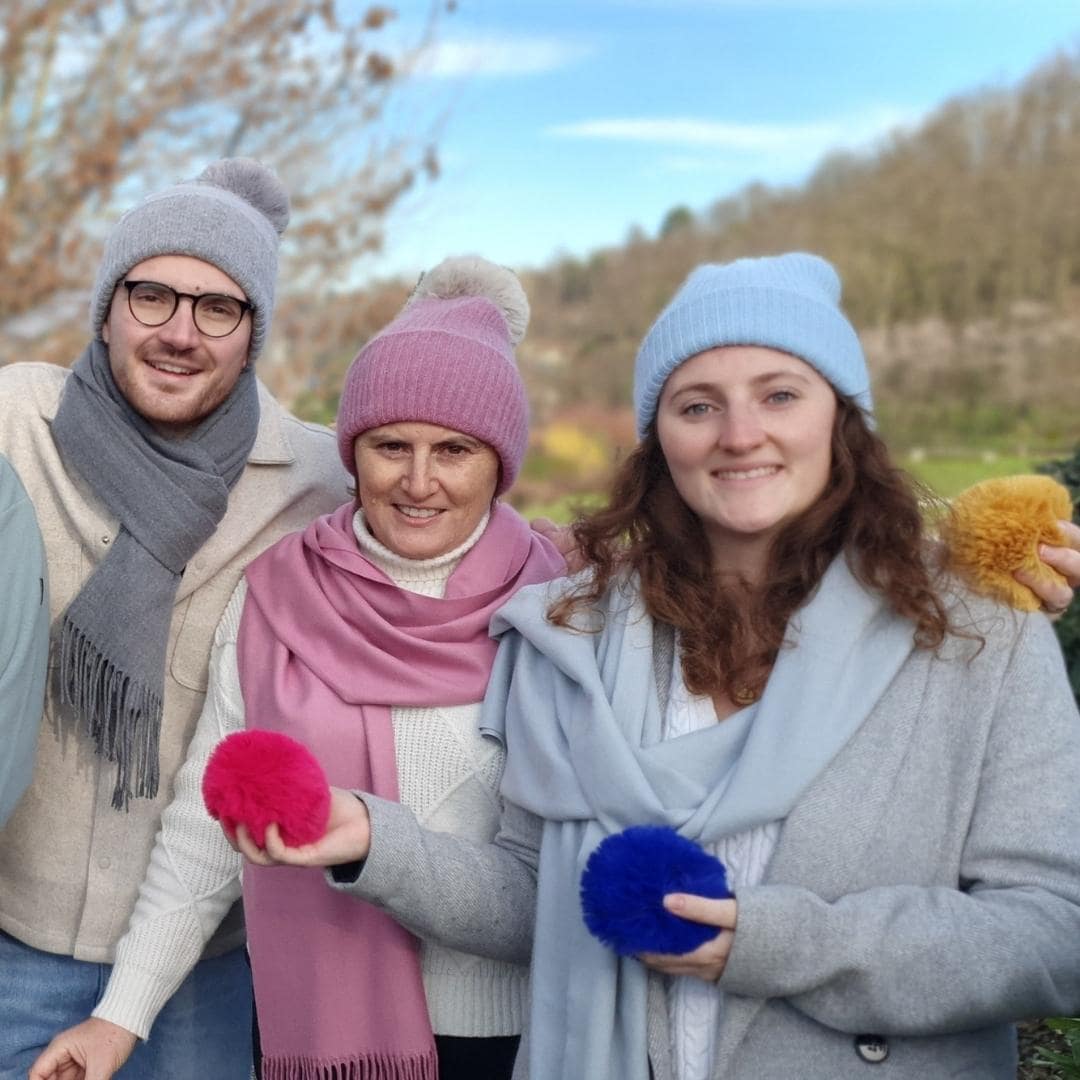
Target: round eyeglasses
[214,314]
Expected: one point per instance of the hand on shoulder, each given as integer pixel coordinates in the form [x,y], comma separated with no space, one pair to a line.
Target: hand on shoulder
[562,536]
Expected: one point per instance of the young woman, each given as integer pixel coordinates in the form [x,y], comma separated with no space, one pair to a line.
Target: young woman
[764,655]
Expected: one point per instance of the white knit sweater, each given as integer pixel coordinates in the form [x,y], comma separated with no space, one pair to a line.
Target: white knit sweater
[448,775]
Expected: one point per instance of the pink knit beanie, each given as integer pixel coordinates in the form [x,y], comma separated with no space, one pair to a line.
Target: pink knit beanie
[447,359]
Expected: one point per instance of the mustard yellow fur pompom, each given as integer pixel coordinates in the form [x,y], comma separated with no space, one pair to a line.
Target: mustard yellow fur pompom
[996,527]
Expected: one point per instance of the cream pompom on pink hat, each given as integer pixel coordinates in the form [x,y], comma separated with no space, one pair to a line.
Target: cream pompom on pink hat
[447,359]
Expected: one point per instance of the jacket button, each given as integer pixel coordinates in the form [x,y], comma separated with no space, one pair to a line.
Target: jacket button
[873,1049]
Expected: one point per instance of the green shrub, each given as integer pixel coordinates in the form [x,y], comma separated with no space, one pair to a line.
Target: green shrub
[1066,1063]
[1067,472]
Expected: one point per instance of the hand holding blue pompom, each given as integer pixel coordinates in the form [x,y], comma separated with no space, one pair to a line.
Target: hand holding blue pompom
[622,898]
[706,962]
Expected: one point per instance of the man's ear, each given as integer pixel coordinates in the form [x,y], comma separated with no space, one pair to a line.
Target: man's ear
[105,331]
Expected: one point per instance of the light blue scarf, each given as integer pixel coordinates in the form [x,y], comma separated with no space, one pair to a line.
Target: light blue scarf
[581,718]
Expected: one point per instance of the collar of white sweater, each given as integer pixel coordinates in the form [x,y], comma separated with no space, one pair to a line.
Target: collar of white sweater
[428,577]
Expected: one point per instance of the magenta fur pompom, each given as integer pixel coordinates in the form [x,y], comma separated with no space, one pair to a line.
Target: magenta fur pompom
[626,880]
[257,777]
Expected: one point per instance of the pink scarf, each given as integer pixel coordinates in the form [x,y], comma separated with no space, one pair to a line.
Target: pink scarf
[328,645]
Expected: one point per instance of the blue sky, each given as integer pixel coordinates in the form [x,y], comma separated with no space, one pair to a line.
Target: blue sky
[567,122]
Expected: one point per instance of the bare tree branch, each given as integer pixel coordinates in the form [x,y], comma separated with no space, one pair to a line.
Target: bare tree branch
[102,100]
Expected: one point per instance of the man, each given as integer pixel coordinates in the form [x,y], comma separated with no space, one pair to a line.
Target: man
[24,638]
[158,467]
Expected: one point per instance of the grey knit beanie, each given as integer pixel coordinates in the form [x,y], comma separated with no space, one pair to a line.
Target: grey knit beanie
[231,216]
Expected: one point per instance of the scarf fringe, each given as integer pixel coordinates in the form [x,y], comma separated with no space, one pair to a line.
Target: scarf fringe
[122,716]
[422,1065]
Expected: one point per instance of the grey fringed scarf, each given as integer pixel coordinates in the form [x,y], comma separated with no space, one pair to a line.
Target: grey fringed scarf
[169,495]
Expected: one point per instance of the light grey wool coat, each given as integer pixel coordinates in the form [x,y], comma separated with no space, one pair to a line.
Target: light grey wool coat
[925,890]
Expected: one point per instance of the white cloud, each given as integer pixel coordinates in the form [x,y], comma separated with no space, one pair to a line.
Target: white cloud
[683,131]
[695,133]
[501,55]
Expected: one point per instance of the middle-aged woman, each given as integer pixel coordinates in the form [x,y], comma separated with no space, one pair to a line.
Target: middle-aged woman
[365,637]
[762,654]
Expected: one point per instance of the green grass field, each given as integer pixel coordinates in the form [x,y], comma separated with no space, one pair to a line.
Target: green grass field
[949,476]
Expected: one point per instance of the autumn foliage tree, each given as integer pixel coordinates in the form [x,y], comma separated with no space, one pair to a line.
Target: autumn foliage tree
[103,100]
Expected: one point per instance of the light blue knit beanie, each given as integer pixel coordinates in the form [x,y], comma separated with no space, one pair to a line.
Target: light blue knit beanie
[787,302]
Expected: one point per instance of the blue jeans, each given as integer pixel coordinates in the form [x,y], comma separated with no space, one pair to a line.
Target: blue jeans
[203,1033]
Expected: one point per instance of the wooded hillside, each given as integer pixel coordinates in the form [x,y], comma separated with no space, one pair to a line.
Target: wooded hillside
[959,245]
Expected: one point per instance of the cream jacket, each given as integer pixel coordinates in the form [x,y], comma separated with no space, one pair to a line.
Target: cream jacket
[70,865]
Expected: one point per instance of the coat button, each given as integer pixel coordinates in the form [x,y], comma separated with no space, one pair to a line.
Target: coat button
[873,1049]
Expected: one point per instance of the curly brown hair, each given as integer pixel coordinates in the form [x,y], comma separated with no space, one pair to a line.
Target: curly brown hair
[730,631]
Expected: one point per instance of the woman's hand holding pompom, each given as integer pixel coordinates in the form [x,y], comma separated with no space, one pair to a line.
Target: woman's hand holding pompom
[707,961]
[347,838]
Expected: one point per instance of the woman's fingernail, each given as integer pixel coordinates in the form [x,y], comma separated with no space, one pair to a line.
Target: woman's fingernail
[674,902]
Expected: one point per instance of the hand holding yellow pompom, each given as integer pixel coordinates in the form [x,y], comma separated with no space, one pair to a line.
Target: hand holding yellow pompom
[995,529]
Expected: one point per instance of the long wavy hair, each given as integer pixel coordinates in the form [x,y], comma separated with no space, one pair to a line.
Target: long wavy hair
[731,631]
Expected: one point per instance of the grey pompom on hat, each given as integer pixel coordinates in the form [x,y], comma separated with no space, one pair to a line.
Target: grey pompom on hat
[232,216]
[471,275]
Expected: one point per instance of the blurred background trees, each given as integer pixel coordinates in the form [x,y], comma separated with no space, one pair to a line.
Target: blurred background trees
[959,245]
[958,240]
[103,100]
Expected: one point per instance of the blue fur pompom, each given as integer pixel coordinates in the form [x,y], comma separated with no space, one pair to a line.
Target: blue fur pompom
[626,880]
